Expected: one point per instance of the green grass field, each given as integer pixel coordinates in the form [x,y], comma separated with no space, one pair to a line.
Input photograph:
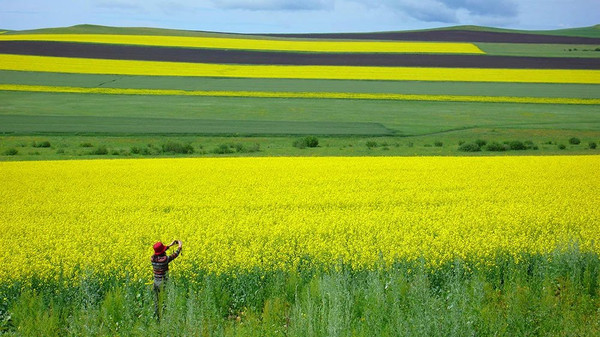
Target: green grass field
[402,117]
[293,85]
[540,50]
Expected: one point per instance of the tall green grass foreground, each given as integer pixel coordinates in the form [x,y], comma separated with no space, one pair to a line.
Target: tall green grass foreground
[551,295]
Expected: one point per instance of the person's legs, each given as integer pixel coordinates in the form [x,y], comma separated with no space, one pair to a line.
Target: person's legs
[158,299]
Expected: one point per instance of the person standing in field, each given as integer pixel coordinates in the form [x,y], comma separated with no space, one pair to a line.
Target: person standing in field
[160,265]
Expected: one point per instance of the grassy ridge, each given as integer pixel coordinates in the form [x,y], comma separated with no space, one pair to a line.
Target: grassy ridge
[97,29]
[591,31]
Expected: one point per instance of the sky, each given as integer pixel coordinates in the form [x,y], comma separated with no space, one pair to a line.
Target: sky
[305,16]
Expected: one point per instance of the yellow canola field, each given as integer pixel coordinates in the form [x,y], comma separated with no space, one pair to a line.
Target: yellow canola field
[293,94]
[293,45]
[154,68]
[102,216]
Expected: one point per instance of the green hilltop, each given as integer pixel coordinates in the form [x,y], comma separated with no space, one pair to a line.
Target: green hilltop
[591,31]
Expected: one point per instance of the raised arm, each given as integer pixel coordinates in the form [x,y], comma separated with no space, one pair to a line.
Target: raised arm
[177,252]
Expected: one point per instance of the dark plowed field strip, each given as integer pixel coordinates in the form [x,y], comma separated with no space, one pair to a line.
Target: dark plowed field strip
[451,36]
[143,53]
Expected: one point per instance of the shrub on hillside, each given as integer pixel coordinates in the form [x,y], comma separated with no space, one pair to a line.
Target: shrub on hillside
[135,150]
[469,147]
[308,141]
[480,142]
[44,143]
[574,141]
[223,149]
[100,151]
[496,147]
[437,143]
[236,148]
[517,145]
[530,145]
[146,151]
[371,144]
[593,145]
[86,144]
[11,152]
[177,147]
[562,146]
[246,148]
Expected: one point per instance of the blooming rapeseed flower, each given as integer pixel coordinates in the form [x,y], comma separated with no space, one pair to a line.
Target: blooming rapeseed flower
[102,216]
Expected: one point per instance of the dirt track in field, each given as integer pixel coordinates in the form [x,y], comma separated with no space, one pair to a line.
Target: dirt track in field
[145,53]
[451,36]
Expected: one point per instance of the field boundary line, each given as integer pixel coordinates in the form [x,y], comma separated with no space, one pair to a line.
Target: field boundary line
[291,94]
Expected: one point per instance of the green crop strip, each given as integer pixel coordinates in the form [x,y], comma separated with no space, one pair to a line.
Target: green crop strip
[288,94]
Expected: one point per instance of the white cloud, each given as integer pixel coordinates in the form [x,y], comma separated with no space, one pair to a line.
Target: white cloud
[448,11]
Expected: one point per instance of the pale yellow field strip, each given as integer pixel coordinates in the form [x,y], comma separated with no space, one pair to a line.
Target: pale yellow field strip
[154,68]
[259,44]
[290,94]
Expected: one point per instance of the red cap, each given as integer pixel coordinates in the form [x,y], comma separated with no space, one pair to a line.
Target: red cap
[159,248]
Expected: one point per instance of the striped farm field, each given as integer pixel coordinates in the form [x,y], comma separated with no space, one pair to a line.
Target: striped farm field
[289,94]
[258,44]
[491,89]
[214,79]
[252,57]
[123,67]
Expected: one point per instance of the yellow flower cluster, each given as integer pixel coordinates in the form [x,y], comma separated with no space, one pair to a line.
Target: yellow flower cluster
[295,45]
[102,216]
[156,68]
[293,94]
